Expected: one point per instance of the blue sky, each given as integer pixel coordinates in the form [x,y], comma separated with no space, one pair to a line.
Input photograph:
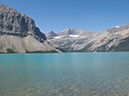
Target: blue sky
[58,15]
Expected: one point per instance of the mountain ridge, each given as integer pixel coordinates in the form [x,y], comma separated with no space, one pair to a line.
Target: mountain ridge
[86,41]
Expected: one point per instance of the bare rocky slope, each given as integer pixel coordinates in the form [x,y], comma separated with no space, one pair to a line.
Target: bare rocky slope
[19,34]
[72,40]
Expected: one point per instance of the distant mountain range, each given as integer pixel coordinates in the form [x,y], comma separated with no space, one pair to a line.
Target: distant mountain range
[18,33]
[72,40]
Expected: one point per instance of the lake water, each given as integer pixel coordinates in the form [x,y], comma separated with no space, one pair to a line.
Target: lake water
[65,74]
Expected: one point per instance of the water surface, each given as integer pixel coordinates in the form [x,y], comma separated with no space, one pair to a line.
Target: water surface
[65,74]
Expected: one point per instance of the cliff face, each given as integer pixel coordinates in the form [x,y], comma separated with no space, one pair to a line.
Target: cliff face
[19,33]
[72,40]
[15,23]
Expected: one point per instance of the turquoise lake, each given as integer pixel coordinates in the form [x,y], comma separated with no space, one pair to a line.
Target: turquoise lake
[65,74]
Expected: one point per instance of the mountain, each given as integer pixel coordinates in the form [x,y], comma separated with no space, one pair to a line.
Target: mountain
[72,40]
[50,35]
[19,34]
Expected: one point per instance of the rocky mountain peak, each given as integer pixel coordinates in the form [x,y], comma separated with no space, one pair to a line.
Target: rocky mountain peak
[69,31]
[51,35]
[65,32]
[118,28]
[13,22]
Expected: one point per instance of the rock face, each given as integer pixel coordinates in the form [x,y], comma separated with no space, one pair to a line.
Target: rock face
[50,35]
[19,33]
[72,40]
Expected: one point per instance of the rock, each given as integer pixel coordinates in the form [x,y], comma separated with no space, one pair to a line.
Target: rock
[50,35]
[13,22]
[72,40]
[18,33]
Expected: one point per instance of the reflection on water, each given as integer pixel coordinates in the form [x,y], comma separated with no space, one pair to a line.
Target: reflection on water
[66,74]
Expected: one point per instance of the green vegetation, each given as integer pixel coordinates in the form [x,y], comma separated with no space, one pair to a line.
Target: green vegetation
[62,50]
[1,47]
[10,51]
[1,52]
[52,51]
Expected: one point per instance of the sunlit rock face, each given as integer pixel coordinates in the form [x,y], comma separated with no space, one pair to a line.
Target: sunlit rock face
[72,40]
[19,33]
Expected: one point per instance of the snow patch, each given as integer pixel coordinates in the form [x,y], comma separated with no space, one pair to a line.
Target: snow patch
[58,37]
[117,26]
[73,35]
